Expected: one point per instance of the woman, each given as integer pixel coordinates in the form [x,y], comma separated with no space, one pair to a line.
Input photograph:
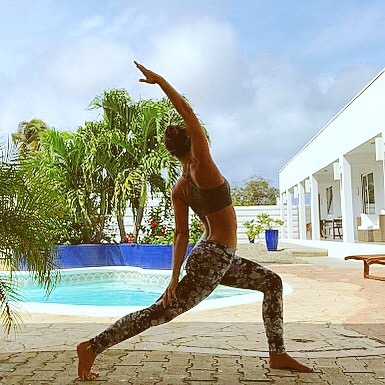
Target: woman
[213,261]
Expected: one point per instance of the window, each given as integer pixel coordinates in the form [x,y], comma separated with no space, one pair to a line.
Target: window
[329,200]
[367,192]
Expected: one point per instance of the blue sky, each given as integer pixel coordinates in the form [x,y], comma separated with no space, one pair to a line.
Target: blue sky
[264,76]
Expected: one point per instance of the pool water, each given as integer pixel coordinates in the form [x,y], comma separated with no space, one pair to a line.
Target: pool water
[110,293]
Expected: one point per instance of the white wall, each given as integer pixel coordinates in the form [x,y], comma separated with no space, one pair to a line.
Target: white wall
[244,213]
[336,204]
[357,171]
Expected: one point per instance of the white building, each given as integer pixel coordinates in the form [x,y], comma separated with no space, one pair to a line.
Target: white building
[332,192]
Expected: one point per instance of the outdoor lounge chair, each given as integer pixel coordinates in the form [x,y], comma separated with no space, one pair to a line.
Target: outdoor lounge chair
[368,260]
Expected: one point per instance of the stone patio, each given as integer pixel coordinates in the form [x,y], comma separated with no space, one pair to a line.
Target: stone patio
[334,321]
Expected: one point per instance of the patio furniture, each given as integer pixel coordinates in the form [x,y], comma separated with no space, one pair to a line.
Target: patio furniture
[368,260]
[371,228]
[331,227]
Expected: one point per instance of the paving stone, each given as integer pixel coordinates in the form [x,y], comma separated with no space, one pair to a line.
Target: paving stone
[325,362]
[335,376]
[122,371]
[133,358]
[352,365]
[366,379]
[43,375]
[376,365]
[21,356]
[155,356]
[172,379]
[13,380]
[175,370]
[284,381]
[150,368]
[200,361]
[200,375]
[310,378]
[8,366]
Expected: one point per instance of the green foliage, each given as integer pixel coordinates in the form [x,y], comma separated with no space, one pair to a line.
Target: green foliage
[267,222]
[196,229]
[106,165]
[146,166]
[257,191]
[253,229]
[74,163]
[29,228]
[27,137]
[159,229]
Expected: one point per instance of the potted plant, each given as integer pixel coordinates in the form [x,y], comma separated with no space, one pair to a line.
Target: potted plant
[253,230]
[271,235]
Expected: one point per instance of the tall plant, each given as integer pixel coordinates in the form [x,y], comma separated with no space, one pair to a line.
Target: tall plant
[146,166]
[27,136]
[75,163]
[28,231]
[119,113]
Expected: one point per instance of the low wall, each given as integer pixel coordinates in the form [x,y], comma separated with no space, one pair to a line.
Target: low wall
[157,257]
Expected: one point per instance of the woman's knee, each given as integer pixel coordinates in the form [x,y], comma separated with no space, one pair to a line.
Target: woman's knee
[274,282]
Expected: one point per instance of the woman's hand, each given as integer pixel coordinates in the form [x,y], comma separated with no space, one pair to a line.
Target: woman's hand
[169,296]
[151,77]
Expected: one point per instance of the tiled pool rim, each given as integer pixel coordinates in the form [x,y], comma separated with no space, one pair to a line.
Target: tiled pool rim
[126,273]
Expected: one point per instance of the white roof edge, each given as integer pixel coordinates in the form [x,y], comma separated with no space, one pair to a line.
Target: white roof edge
[335,117]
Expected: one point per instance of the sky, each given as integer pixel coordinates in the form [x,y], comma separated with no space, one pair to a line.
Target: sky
[264,76]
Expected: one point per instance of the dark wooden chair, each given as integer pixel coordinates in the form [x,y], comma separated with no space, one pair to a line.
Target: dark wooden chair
[368,260]
[337,227]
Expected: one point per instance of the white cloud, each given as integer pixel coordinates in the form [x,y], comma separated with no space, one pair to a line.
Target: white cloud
[90,64]
[92,22]
[358,28]
[203,59]
[259,113]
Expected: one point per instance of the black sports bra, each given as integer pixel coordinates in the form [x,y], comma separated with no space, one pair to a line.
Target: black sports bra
[208,201]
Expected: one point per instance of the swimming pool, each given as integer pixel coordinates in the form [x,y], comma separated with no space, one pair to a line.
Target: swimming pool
[115,291]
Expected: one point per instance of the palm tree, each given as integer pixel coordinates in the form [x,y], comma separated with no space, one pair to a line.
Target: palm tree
[27,137]
[75,163]
[151,155]
[144,164]
[28,231]
[118,158]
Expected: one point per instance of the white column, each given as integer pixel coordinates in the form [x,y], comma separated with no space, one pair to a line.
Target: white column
[282,211]
[381,155]
[346,200]
[301,211]
[289,214]
[314,209]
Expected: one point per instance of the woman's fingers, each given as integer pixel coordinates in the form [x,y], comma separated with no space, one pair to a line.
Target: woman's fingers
[169,297]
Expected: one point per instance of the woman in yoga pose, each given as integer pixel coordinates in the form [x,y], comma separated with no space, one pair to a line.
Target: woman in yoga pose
[212,262]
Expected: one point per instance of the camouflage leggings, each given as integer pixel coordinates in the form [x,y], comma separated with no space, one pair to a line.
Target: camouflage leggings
[208,265]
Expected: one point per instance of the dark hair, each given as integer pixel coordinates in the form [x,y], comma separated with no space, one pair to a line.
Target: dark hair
[177,140]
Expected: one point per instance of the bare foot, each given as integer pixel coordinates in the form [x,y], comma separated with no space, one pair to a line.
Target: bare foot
[284,361]
[86,360]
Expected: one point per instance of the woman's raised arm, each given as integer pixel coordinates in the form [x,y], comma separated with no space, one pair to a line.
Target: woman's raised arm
[193,126]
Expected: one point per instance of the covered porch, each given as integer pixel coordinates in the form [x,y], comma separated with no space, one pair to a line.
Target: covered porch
[333,190]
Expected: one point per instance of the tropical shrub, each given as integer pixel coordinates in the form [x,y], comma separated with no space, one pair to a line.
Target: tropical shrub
[196,229]
[267,222]
[29,229]
[256,191]
[159,229]
[145,164]
[253,230]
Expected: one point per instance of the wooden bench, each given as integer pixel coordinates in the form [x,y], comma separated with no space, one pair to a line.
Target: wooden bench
[368,260]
